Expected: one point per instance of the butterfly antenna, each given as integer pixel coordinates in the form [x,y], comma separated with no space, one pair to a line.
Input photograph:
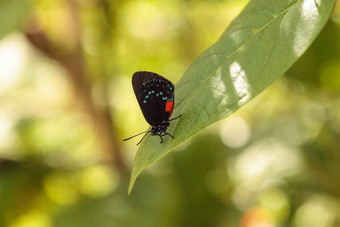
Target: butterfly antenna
[176,117]
[143,137]
[136,135]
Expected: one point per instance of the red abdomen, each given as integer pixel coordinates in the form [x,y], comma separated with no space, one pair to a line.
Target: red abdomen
[169,107]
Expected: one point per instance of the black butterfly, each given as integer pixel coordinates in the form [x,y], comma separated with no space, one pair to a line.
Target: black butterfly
[155,96]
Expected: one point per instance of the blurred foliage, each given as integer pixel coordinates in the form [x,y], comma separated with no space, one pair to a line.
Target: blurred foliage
[66,102]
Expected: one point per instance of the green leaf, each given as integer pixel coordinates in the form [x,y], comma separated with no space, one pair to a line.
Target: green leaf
[258,47]
[13,14]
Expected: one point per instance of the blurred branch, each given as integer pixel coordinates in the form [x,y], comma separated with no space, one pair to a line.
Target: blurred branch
[6,164]
[73,62]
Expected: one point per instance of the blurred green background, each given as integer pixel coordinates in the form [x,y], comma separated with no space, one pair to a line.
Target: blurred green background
[66,103]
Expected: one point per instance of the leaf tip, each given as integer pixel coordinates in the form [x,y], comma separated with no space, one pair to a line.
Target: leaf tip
[131,184]
[133,178]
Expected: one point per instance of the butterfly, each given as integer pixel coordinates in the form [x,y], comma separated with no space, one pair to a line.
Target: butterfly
[155,96]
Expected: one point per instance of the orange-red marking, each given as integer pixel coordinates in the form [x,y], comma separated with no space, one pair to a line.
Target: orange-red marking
[169,107]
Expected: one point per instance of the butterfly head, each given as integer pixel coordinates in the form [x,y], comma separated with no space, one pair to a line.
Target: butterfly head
[160,128]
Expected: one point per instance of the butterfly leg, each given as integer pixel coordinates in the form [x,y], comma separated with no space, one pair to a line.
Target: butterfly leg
[176,117]
[160,135]
[165,133]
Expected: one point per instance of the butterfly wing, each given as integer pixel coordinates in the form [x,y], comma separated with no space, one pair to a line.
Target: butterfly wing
[153,92]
